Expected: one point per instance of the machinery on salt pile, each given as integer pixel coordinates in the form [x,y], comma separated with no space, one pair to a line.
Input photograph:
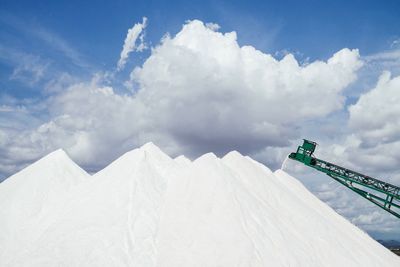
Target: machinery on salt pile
[382,194]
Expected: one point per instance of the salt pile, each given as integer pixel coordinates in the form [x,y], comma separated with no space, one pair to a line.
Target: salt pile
[146,209]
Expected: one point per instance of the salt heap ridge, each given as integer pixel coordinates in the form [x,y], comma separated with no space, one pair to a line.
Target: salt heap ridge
[147,209]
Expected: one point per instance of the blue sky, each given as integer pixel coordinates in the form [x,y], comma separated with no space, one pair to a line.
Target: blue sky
[60,86]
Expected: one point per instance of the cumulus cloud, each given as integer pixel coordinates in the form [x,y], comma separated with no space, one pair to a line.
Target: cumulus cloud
[91,132]
[204,89]
[213,26]
[130,44]
[375,130]
[198,91]
[376,115]
[371,141]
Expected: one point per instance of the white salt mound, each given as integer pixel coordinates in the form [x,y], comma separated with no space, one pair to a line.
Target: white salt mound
[146,209]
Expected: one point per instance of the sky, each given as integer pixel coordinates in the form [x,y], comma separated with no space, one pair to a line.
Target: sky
[99,78]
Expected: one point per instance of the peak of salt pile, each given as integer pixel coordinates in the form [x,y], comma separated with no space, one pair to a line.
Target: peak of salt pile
[182,160]
[31,198]
[146,209]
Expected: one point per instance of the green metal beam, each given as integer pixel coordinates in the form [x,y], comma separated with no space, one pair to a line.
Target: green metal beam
[352,180]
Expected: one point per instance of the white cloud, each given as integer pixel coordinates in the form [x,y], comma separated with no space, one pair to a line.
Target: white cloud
[134,33]
[198,91]
[213,26]
[371,141]
[376,115]
[204,89]
[386,55]
[395,43]
[375,123]
[385,60]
